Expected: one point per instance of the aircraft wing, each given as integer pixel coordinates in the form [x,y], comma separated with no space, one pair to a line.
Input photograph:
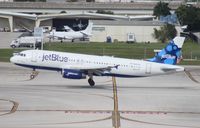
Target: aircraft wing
[59,37]
[66,37]
[98,70]
[85,34]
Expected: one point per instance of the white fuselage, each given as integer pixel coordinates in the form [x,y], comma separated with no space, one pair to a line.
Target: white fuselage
[52,60]
[67,35]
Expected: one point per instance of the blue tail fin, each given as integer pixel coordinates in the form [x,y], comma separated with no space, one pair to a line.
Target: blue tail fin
[171,54]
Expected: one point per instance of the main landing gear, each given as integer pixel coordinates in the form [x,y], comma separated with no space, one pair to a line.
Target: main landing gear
[91,82]
[33,74]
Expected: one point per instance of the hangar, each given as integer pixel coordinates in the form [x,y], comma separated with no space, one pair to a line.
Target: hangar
[118,27]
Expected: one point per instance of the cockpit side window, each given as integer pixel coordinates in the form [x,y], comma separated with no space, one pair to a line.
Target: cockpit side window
[19,54]
[22,54]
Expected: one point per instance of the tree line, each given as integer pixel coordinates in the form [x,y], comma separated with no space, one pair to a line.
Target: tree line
[187,15]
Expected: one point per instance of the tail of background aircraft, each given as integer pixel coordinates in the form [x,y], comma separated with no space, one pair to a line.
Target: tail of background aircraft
[68,29]
[171,54]
[88,30]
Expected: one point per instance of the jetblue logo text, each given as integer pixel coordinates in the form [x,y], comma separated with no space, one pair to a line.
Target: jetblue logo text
[54,57]
[168,56]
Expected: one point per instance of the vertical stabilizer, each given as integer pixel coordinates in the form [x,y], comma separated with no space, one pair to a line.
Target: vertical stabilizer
[171,54]
[88,30]
[179,41]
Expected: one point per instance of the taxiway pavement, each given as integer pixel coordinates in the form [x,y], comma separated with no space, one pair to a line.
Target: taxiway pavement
[50,101]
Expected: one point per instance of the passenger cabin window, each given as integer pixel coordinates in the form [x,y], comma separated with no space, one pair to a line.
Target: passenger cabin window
[135,66]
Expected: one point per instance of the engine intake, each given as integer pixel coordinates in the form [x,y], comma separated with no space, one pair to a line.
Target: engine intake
[73,74]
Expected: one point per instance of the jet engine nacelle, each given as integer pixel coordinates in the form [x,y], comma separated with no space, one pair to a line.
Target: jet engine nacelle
[73,74]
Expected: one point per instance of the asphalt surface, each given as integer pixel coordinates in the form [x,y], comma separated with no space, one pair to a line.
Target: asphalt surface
[50,101]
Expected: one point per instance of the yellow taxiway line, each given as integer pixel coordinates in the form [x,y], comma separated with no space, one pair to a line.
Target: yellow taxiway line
[115,114]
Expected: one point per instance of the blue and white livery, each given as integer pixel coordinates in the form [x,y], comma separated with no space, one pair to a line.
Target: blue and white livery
[79,66]
[171,54]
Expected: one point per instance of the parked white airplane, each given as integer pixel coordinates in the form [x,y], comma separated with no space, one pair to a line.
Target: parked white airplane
[78,66]
[72,35]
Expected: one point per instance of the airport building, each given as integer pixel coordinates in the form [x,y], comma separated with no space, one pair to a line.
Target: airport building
[120,29]
[123,26]
[126,31]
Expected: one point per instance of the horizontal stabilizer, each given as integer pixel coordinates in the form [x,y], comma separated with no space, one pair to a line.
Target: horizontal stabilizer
[172,69]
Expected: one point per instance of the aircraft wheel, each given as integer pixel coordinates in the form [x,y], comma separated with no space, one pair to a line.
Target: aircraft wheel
[13,46]
[91,82]
[32,76]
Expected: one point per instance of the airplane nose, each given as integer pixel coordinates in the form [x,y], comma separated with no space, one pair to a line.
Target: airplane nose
[12,59]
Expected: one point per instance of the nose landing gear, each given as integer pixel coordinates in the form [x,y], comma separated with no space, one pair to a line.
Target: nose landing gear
[33,74]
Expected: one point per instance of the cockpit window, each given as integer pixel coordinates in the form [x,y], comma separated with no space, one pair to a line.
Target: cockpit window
[19,54]
[22,54]
[16,54]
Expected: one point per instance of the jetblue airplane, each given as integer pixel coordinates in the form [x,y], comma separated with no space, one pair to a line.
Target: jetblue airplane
[78,66]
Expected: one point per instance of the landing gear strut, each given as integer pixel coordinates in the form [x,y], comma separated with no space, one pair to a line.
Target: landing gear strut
[33,74]
[91,82]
